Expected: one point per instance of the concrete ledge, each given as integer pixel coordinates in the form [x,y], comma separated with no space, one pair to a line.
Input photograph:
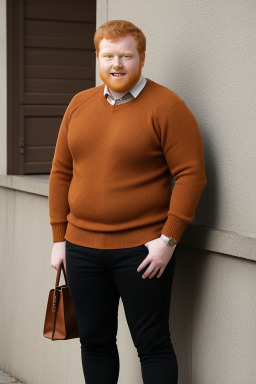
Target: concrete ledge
[37,184]
[220,241]
[195,236]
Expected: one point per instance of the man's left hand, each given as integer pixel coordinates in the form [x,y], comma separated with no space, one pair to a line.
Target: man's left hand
[159,256]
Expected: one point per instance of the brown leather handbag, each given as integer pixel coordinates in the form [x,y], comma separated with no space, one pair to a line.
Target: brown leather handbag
[60,320]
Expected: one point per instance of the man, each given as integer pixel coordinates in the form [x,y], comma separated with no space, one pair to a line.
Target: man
[115,220]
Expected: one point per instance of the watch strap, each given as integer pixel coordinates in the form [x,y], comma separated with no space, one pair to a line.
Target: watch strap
[169,240]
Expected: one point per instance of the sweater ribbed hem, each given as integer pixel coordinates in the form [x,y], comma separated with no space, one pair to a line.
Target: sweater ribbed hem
[58,232]
[112,240]
[174,227]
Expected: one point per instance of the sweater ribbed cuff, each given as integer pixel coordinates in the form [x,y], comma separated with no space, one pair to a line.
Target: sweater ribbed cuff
[58,232]
[174,227]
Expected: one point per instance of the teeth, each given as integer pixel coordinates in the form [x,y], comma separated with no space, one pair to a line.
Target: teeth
[117,75]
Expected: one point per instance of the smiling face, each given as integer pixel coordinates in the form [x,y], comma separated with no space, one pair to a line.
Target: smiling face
[120,56]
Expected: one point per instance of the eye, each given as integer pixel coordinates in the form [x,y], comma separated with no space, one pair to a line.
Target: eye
[127,56]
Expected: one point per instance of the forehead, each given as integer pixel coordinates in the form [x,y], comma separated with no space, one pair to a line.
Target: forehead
[125,43]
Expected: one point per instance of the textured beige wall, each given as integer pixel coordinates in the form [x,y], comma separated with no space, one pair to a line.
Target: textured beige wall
[223,320]
[26,278]
[205,52]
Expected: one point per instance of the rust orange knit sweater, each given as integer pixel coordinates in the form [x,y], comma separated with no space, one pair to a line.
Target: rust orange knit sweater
[110,182]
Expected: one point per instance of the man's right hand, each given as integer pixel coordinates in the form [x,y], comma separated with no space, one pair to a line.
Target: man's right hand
[58,255]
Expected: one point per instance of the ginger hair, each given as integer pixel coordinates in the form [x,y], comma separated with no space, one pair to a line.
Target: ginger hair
[114,29]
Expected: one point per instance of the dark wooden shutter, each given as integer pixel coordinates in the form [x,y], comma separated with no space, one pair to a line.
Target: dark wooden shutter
[51,57]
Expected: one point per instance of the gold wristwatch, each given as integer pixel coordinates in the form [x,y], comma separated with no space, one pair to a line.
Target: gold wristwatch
[169,240]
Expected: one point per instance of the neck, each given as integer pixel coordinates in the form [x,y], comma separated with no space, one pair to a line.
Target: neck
[116,95]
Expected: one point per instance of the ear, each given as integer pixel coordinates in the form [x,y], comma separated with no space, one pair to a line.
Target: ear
[143,59]
[97,57]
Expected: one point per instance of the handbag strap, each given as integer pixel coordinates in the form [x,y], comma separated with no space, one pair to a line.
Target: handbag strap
[64,273]
[54,310]
[61,267]
[56,296]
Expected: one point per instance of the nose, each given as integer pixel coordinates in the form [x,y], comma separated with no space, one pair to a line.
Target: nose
[117,62]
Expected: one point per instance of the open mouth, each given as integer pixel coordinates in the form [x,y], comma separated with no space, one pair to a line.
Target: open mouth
[117,74]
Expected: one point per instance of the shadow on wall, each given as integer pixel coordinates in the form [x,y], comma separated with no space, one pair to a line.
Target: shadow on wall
[188,283]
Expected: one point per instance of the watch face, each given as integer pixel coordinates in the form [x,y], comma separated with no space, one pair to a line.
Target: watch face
[172,242]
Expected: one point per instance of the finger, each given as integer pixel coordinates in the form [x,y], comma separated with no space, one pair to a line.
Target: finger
[148,271]
[153,273]
[143,265]
[160,272]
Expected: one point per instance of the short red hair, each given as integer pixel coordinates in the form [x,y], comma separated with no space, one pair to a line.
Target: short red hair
[114,29]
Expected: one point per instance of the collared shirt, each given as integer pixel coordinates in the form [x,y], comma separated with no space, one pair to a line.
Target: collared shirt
[120,98]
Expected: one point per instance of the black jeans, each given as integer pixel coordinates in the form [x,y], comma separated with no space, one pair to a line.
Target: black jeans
[97,278]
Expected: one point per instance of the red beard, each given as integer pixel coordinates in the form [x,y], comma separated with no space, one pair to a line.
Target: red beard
[123,84]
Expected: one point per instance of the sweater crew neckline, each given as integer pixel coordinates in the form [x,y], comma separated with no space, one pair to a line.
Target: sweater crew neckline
[117,107]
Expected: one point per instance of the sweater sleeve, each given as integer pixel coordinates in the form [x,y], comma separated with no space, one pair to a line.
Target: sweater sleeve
[183,150]
[59,182]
